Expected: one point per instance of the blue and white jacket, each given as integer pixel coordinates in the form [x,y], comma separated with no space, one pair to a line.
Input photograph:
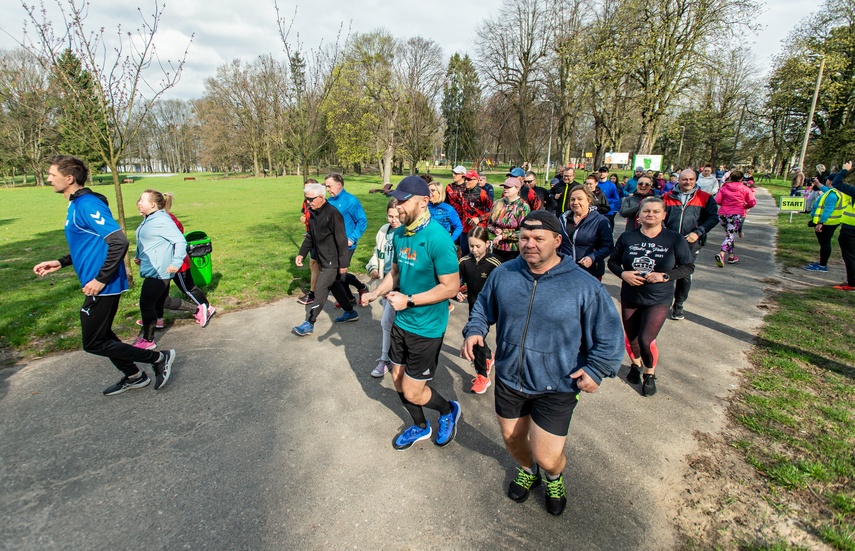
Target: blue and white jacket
[159,245]
[355,221]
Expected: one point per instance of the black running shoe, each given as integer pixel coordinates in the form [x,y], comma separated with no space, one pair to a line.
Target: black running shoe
[677,313]
[556,496]
[126,383]
[519,487]
[648,388]
[163,368]
[634,375]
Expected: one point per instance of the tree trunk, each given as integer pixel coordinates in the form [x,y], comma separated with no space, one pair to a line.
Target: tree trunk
[120,212]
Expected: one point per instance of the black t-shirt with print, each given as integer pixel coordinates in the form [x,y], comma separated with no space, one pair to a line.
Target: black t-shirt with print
[667,253]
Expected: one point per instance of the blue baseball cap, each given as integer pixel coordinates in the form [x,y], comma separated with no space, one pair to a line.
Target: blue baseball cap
[409,186]
[517,172]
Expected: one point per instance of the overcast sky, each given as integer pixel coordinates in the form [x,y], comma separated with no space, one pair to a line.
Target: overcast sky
[229,29]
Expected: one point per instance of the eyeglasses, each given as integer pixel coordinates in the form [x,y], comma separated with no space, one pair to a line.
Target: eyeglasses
[528,181]
[644,183]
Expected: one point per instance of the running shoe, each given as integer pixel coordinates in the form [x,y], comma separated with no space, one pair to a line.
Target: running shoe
[556,496]
[480,384]
[816,267]
[733,260]
[347,316]
[144,344]
[519,488]
[159,324]
[490,361]
[677,313]
[308,298]
[361,292]
[634,375]
[303,329]
[448,425]
[353,301]
[741,234]
[204,314]
[127,383]
[163,368]
[410,436]
[844,287]
[381,369]
[719,261]
[648,387]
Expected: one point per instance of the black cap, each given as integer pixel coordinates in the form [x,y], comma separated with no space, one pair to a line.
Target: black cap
[541,220]
[603,169]
[409,186]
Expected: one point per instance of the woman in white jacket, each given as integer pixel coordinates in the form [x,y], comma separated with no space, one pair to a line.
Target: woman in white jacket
[378,267]
[161,249]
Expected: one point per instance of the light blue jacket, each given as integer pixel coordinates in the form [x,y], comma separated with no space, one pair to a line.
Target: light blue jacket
[548,328]
[829,206]
[355,221]
[159,245]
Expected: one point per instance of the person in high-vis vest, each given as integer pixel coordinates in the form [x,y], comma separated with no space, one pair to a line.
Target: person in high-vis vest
[826,216]
[846,239]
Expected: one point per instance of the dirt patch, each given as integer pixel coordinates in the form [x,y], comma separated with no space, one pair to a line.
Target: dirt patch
[724,504]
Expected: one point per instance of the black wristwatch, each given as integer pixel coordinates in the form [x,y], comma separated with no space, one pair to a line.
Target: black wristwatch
[665,277]
[410,303]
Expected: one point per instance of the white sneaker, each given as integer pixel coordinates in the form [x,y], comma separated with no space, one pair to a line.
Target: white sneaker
[381,369]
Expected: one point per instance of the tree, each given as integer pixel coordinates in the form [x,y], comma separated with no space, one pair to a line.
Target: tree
[419,72]
[120,71]
[28,127]
[461,103]
[512,51]
[313,80]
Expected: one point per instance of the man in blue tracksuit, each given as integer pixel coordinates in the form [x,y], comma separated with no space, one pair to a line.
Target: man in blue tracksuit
[97,247]
[551,345]
[611,192]
[355,224]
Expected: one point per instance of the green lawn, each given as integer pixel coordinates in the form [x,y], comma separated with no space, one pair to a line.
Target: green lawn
[798,400]
[253,223]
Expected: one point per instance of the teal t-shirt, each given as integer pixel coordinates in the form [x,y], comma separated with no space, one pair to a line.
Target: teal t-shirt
[421,259]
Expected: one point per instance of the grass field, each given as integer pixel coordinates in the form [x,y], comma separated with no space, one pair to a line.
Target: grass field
[798,399]
[253,224]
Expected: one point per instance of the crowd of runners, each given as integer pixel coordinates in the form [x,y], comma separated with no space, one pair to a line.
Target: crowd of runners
[529,262]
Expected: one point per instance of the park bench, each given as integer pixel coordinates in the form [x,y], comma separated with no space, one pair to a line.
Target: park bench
[128,181]
[765,178]
[189,179]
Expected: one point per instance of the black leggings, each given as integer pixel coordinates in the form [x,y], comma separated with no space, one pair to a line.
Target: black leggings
[185,282]
[96,323]
[152,296]
[824,236]
[641,326]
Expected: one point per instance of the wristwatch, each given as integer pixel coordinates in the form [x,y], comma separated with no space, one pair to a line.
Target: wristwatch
[410,303]
[665,277]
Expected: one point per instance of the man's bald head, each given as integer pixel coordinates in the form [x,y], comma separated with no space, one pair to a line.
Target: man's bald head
[688,180]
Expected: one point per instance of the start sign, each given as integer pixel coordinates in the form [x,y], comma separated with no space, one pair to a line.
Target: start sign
[793,204]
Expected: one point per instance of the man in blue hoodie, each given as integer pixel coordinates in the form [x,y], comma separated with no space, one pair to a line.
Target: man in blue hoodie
[550,346]
[355,224]
[97,248]
[611,192]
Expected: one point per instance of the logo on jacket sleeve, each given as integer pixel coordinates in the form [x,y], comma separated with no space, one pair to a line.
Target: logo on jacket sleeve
[100,220]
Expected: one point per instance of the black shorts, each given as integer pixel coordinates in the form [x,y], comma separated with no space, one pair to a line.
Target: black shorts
[418,355]
[551,412]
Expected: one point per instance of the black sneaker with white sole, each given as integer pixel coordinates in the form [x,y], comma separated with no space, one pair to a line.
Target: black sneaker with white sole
[677,313]
[163,368]
[127,383]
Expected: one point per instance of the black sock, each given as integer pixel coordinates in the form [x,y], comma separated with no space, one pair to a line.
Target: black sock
[438,403]
[416,412]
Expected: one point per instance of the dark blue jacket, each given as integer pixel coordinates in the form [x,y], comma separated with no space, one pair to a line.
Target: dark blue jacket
[543,332]
[592,237]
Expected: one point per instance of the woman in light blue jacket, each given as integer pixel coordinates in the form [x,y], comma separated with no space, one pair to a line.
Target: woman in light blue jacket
[161,249]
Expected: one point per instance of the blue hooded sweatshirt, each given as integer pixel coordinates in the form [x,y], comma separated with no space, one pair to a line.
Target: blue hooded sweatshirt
[548,328]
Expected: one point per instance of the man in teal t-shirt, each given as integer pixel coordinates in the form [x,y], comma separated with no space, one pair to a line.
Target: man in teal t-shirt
[423,277]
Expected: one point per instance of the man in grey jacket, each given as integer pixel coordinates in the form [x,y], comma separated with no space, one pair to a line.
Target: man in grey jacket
[543,361]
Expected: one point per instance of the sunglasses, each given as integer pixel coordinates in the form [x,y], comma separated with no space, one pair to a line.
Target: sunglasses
[528,181]
[310,199]
[644,183]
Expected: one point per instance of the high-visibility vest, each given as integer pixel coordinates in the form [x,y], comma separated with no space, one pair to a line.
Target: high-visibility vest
[848,218]
[837,214]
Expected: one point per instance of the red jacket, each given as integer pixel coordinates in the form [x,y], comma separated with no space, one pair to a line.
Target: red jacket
[470,203]
[186,264]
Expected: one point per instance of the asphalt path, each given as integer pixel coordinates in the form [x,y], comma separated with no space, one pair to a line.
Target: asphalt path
[263,440]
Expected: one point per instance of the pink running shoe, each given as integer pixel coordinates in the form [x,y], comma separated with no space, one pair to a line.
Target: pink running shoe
[159,324]
[144,344]
[204,314]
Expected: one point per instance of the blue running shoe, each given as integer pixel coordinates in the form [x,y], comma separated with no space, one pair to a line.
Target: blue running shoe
[303,329]
[815,267]
[410,436]
[448,425]
[347,316]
